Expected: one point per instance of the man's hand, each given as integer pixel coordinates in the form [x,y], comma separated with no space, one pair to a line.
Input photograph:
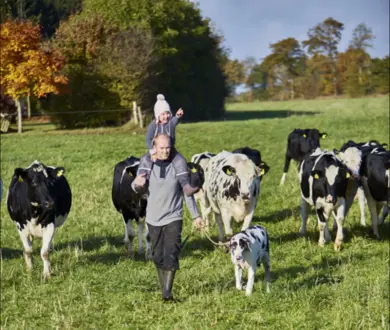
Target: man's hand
[198,223]
[140,180]
[179,113]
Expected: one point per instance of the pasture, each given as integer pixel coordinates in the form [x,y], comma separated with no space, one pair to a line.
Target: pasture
[94,286]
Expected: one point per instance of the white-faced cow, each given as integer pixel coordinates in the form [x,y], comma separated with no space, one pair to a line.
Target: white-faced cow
[232,185]
[39,200]
[202,160]
[300,144]
[130,204]
[352,155]
[324,180]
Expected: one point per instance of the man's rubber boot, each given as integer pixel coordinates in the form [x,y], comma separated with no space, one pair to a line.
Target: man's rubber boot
[168,283]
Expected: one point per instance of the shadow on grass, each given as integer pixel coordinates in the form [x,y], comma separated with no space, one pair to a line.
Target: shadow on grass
[357,230]
[7,253]
[278,216]
[91,243]
[265,114]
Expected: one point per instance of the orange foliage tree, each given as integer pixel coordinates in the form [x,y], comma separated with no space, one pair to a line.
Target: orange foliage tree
[27,67]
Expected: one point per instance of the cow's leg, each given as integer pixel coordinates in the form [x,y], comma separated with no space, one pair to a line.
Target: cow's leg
[362,204]
[267,271]
[47,236]
[27,246]
[248,217]
[148,251]
[374,215]
[286,167]
[238,275]
[304,213]
[205,212]
[340,220]
[384,214]
[221,230]
[322,227]
[251,279]
[140,227]
[227,222]
[129,237]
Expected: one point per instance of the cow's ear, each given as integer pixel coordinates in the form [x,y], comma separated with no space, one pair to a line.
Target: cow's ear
[335,151]
[192,167]
[384,145]
[56,172]
[262,169]
[324,135]
[132,170]
[21,174]
[229,170]
[316,174]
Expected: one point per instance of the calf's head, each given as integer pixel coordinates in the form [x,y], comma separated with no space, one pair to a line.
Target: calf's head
[196,174]
[310,140]
[352,159]
[237,246]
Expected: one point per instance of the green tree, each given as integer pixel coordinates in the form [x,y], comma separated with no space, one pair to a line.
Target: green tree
[380,75]
[323,39]
[190,55]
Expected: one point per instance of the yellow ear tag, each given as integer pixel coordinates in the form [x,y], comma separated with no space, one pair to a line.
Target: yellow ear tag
[316,176]
[193,170]
[262,171]
[20,179]
[324,136]
[228,172]
[304,135]
[60,172]
[348,175]
[131,174]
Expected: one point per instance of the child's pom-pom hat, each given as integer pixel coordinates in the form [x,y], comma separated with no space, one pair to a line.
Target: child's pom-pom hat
[161,106]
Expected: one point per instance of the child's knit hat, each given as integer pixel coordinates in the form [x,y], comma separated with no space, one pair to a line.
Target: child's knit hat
[161,106]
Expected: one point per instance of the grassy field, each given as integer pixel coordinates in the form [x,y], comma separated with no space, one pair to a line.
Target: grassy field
[96,287]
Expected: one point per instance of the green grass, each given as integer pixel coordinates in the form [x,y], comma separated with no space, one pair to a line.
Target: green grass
[96,287]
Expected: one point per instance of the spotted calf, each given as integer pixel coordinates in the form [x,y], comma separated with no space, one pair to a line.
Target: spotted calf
[248,249]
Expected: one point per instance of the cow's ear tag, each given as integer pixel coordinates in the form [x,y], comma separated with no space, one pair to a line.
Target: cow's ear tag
[304,135]
[262,171]
[348,175]
[60,173]
[316,176]
[131,174]
[193,170]
[20,179]
[228,172]
[324,135]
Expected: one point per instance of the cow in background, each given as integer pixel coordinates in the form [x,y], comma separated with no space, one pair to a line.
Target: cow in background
[38,201]
[300,144]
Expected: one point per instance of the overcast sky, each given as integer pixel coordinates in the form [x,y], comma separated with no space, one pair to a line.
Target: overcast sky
[249,26]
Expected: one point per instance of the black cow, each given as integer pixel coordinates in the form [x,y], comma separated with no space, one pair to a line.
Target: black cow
[375,176]
[300,144]
[131,205]
[39,200]
[353,155]
[324,181]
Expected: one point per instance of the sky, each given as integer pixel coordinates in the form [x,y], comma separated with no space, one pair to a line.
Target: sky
[249,26]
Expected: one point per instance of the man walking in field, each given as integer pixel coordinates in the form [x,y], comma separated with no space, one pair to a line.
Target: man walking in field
[164,212]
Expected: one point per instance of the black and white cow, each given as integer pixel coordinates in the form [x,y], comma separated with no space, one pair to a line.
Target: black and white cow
[232,186]
[324,181]
[248,249]
[202,160]
[352,155]
[300,144]
[375,176]
[38,201]
[130,204]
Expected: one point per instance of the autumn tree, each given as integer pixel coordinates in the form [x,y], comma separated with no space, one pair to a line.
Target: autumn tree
[235,74]
[323,39]
[380,75]
[26,66]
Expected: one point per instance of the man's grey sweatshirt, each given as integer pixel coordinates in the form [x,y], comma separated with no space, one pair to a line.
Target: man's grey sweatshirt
[165,200]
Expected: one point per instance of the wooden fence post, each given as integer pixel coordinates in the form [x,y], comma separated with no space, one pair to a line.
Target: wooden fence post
[135,119]
[141,118]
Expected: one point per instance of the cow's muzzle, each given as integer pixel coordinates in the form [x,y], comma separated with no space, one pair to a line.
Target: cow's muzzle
[330,199]
[246,196]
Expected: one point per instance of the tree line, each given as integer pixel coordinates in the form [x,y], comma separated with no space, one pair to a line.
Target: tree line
[314,67]
[85,61]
